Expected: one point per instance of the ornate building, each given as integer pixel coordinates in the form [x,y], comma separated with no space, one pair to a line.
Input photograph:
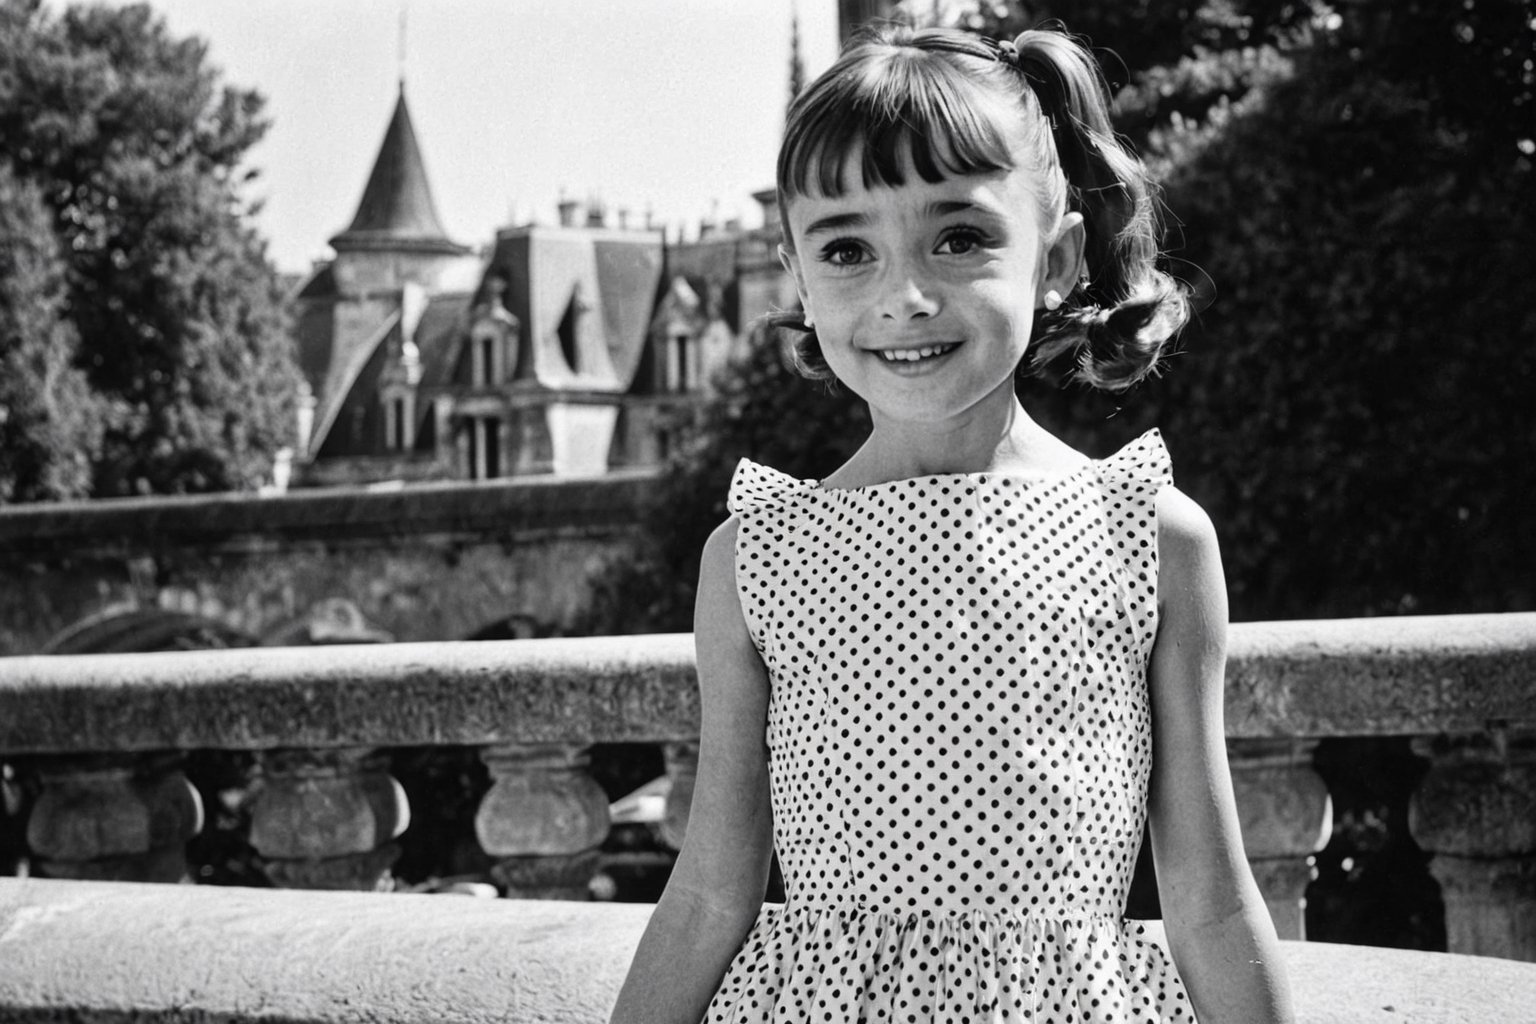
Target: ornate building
[559,349]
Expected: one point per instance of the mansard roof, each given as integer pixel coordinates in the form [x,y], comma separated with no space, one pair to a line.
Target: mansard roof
[397,211]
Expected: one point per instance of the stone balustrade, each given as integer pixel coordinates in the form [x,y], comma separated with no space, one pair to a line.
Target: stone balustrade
[102,737]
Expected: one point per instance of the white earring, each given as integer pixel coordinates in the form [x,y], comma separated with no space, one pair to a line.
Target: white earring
[805,318]
[1052,300]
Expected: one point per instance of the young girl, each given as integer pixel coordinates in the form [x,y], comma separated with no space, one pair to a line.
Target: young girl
[952,682]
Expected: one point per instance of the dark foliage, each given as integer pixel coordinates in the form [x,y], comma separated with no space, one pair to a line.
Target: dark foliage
[1352,406]
[51,423]
[135,151]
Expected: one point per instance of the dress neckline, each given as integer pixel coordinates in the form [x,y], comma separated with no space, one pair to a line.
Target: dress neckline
[971,478]
[755,487]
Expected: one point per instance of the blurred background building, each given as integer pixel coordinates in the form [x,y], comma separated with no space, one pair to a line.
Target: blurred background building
[566,349]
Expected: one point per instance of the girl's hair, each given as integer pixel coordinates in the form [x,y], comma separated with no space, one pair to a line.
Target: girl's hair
[932,96]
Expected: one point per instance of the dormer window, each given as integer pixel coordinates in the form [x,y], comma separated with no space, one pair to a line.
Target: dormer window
[397,428]
[674,338]
[399,420]
[682,362]
[488,361]
[486,358]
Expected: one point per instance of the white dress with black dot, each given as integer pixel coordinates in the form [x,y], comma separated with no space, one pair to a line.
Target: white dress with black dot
[959,745]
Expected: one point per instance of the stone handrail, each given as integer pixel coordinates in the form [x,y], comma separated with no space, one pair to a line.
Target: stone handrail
[587,690]
[102,734]
[1345,677]
[112,952]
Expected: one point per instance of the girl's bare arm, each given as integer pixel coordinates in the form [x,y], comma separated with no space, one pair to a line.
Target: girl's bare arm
[1219,931]
[717,885]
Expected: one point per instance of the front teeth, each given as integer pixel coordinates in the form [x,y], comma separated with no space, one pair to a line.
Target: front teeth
[912,355]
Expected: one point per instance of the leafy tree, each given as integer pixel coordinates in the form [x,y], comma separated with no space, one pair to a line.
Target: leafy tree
[1352,407]
[50,422]
[136,151]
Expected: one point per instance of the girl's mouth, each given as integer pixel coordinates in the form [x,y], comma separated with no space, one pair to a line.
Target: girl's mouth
[913,355]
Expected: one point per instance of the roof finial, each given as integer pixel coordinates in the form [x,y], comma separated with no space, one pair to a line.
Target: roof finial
[400,56]
[796,65]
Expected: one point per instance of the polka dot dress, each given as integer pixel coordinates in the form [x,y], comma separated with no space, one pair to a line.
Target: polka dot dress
[959,746]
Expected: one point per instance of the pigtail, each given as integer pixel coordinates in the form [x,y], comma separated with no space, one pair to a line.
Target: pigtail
[1116,323]
[800,345]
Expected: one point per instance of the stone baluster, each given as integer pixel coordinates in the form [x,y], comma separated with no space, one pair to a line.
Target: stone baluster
[1286,817]
[118,817]
[326,819]
[13,841]
[682,760]
[543,819]
[1475,813]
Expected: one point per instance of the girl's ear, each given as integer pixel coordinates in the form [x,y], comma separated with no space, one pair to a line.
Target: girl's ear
[792,267]
[1062,267]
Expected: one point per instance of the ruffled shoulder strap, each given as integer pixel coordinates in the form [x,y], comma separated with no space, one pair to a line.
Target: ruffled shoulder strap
[1144,461]
[757,488]
[1128,484]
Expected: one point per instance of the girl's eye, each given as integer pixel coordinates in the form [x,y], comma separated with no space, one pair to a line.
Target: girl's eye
[843,253]
[961,241]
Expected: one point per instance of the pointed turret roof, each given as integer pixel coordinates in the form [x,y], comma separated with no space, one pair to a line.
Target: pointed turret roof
[397,211]
[796,65]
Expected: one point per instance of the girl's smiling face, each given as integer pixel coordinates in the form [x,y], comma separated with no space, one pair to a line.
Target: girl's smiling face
[923,294]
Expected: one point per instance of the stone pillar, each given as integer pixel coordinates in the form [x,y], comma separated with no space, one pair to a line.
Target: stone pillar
[1286,817]
[113,817]
[544,818]
[1475,813]
[682,761]
[325,819]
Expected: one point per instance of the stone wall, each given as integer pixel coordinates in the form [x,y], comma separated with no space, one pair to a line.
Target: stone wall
[432,562]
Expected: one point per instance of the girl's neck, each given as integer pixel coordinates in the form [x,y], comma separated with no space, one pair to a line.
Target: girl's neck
[1001,438]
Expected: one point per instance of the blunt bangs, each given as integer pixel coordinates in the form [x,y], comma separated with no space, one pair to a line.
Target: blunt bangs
[900,109]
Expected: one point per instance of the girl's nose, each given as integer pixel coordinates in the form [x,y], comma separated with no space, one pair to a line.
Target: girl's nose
[909,298]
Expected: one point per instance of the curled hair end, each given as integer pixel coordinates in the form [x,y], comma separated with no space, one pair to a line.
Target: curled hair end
[1111,348]
[798,343]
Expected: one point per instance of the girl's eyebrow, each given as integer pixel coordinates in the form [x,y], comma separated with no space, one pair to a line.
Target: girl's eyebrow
[937,208]
[836,222]
[945,207]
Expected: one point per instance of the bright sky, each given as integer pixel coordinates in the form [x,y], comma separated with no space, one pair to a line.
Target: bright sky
[674,105]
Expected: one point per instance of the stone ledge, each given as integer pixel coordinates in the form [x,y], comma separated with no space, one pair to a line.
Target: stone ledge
[499,507]
[596,689]
[118,952]
[1400,675]
[1359,677]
